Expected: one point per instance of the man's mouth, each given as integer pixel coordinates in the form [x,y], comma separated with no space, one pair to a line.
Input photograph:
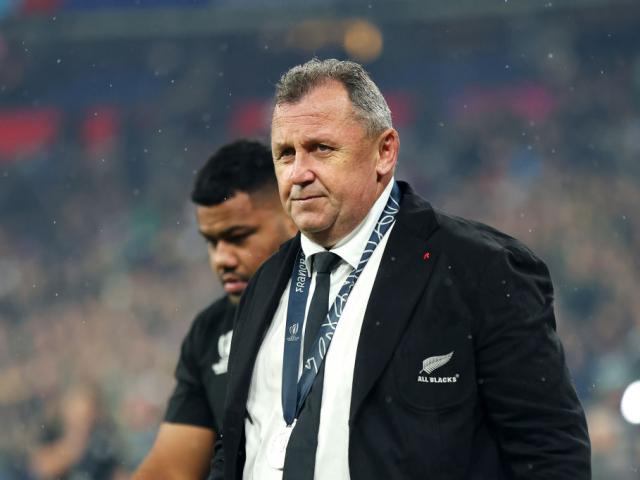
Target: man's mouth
[233,284]
[306,198]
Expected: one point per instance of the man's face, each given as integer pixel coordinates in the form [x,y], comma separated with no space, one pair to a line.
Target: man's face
[241,233]
[328,169]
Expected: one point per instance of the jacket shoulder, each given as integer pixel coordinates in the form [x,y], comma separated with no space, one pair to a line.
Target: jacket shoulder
[477,246]
[420,218]
[472,234]
[467,243]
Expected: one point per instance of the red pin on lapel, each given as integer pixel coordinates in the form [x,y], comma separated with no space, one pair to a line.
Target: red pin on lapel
[426,256]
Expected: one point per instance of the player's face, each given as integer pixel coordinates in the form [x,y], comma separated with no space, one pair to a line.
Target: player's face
[241,233]
[328,168]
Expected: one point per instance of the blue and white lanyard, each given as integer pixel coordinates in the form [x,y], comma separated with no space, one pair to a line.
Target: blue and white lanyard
[294,391]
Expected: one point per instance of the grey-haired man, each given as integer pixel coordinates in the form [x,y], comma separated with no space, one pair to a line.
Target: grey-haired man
[435,355]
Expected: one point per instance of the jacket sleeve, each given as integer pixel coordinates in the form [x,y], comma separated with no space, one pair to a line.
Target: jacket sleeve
[523,381]
[217,462]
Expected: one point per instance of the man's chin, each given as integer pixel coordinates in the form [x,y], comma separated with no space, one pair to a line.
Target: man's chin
[310,224]
[234,298]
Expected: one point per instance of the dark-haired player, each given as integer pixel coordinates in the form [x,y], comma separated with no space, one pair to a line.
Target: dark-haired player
[240,216]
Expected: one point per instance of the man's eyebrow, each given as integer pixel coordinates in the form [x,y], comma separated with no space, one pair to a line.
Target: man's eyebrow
[229,232]
[279,147]
[206,236]
[316,138]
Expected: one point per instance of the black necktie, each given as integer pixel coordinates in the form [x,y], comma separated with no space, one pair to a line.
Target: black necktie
[323,263]
[301,452]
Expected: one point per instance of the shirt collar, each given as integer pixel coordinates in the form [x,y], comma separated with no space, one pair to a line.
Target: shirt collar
[350,248]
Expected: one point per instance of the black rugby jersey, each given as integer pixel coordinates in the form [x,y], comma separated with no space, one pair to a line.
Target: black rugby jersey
[201,373]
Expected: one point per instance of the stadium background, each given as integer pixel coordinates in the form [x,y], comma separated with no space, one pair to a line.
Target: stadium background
[525,115]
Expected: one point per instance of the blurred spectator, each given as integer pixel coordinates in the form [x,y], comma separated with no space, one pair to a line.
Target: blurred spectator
[78,442]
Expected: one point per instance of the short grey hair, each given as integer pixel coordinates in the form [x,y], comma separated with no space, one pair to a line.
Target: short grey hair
[369,104]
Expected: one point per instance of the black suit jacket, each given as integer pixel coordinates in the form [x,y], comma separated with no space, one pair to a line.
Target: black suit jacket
[502,407]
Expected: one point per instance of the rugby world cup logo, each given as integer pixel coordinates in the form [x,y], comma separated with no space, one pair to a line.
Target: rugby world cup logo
[293,333]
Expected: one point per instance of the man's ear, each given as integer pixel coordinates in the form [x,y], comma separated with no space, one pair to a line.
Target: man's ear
[388,148]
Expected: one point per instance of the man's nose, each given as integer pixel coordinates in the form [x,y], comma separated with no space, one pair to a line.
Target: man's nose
[224,256]
[302,169]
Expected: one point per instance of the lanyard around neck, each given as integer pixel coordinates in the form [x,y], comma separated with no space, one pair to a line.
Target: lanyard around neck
[294,391]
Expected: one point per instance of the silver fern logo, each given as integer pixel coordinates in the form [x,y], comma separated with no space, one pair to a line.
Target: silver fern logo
[431,364]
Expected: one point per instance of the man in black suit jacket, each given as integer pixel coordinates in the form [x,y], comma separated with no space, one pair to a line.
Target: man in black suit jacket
[454,370]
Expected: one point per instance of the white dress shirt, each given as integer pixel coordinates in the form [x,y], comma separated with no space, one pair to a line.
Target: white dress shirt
[264,405]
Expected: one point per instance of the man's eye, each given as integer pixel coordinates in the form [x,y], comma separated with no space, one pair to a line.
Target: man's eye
[324,148]
[287,152]
[238,239]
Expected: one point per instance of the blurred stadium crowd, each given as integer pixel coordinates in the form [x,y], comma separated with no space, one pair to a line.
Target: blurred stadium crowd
[531,126]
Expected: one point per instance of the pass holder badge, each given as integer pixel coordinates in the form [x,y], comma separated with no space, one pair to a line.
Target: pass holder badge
[277,449]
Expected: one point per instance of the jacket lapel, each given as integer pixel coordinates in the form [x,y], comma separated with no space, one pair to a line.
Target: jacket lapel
[403,274]
[261,307]
[258,304]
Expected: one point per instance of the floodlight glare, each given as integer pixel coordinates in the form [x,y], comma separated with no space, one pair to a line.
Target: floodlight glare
[630,403]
